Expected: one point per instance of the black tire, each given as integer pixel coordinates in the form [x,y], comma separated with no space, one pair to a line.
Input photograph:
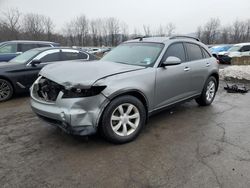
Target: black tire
[106,127]
[6,90]
[203,100]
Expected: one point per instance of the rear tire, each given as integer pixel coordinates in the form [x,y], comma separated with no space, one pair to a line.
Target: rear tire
[6,90]
[123,119]
[209,91]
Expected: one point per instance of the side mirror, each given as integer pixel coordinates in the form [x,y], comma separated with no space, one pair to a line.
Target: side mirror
[35,62]
[171,60]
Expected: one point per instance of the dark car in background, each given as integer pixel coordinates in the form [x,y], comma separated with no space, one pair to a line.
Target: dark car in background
[11,49]
[219,51]
[17,75]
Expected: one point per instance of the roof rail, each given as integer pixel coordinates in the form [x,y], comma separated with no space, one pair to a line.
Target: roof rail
[184,36]
[140,38]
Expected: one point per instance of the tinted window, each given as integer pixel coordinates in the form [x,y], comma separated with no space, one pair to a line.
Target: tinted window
[245,49]
[26,47]
[193,51]
[70,55]
[8,48]
[51,57]
[205,53]
[176,50]
[43,45]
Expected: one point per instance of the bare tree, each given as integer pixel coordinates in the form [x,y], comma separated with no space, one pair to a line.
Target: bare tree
[33,26]
[199,32]
[48,27]
[94,32]
[10,23]
[225,35]
[170,29]
[211,30]
[124,31]
[113,30]
[238,31]
[147,30]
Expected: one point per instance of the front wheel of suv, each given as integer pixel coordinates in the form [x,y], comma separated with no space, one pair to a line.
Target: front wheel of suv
[208,93]
[123,119]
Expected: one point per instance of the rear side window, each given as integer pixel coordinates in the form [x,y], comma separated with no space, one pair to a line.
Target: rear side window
[8,48]
[43,45]
[176,50]
[51,57]
[205,53]
[26,47]
[70,55]
[194,52]
[245,49]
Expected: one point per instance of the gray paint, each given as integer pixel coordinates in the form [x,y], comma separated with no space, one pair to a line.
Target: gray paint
[161,86]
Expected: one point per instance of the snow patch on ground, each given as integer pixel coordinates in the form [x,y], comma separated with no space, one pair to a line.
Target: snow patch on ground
[239,72]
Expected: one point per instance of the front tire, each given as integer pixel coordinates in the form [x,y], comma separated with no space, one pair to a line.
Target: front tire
[123,119]
[6,90]
[208,93]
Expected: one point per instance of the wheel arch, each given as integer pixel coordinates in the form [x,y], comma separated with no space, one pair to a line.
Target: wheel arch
[9,80]
[216,76]
[133,92]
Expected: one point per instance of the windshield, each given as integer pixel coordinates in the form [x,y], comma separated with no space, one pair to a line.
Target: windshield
[234,49]
[25,57]
[142,54]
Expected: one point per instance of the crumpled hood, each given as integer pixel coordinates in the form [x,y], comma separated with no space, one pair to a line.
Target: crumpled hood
[84,74]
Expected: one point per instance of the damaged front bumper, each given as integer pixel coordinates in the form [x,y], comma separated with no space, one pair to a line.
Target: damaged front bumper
[78,116]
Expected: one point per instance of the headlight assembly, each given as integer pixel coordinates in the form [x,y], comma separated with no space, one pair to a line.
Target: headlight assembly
[78,92]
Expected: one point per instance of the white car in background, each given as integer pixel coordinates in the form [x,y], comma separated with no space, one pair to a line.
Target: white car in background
[239,50]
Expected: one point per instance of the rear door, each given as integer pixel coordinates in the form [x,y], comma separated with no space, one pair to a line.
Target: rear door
[172,82]
[199,64]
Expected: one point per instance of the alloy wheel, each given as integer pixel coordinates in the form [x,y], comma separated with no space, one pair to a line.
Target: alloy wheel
[5,90]
[210,91]
[125,119]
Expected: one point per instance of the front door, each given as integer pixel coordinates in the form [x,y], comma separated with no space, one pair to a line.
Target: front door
[172,82]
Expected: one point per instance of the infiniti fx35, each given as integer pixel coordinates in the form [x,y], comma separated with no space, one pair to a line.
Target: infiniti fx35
[117,94]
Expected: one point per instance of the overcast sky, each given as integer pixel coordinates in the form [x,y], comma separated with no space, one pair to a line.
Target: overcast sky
[185,14]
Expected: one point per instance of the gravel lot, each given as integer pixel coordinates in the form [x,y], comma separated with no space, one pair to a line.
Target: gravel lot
[187,146]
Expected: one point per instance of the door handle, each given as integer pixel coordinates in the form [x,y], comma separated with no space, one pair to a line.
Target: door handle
[186,69]
[208,64]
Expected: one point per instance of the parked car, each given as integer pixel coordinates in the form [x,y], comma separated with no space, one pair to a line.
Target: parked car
[10,49]
[219,51]
[18,74]
[238,50]
[119,92]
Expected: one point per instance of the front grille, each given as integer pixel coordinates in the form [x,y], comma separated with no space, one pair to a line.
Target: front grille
[48,90]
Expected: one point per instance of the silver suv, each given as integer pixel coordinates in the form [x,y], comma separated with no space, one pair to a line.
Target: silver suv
[118,93]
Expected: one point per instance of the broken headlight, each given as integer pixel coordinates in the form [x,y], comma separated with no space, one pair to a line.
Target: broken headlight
[78,92]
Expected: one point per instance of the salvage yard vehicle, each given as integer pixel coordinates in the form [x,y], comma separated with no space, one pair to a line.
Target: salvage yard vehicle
[118,93]
[11,49]
[238,50]
[17,75]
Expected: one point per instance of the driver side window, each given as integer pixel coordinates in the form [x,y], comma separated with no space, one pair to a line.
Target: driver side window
[176,50]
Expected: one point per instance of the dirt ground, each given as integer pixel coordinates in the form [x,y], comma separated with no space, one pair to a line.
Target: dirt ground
[187,146]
